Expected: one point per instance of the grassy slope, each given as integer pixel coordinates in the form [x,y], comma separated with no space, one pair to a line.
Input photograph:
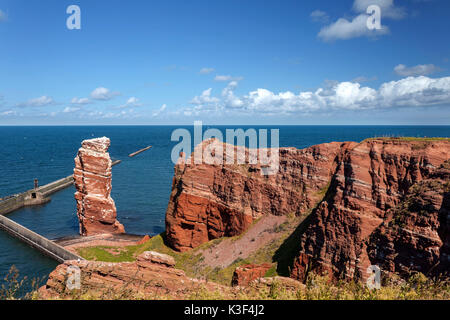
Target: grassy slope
[280,252]
[191,261]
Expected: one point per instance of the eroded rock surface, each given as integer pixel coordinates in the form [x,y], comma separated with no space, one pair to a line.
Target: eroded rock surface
[353,189]
[151,276]
[243,275]
[415,234]
[96,209]
[373,181]
[212,201]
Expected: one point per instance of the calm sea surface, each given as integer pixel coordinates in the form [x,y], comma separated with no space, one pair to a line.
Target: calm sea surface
[141,185]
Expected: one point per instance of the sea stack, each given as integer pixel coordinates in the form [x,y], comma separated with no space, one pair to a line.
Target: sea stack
[96,209]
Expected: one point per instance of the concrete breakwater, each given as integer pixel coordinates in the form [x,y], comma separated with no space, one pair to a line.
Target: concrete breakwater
[36,196]
[37,241]
[139,151]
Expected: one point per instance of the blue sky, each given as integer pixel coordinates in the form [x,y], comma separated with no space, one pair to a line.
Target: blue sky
[224,62]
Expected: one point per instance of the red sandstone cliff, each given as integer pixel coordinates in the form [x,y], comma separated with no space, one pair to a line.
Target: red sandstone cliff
[365,184]
[96,209]
[212,201]
[371,182]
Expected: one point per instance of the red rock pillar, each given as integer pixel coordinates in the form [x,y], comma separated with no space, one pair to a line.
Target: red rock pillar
[96,209]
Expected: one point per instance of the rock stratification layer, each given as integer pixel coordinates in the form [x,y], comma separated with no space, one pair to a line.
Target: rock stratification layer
[212,201]
[359,197]
[352,227]
[152,274]
[243,275]
[96,209]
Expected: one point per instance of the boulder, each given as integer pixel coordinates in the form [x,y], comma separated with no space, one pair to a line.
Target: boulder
[243,275]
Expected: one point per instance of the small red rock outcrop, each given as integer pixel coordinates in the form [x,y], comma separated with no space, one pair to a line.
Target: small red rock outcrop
[144,239]
[96,209]
[243,275]
[152,275]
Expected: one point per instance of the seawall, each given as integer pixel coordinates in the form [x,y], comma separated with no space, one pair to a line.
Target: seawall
[37,241]
[36,196]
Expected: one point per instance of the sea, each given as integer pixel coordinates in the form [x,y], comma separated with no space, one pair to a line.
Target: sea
[140,185]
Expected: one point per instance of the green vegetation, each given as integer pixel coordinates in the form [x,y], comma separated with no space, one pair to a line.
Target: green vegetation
[190,261]
[324,190]
[417,287]
[130,253]
[280,252]
[409,138]
[14,288]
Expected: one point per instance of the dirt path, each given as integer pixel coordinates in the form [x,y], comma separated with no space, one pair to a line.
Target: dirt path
[227,251]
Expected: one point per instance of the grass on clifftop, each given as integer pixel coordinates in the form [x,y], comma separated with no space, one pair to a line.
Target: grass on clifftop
[409,139]
[184,260]
[280,252]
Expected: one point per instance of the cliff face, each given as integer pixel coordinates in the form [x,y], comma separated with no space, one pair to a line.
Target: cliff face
[96,209]
[356,190]
[370,182]
[211,201]
[415,234]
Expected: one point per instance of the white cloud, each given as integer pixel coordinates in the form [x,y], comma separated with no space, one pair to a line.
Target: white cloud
[80,101]
[412,91]
[104,94]
[416,91]
[419,70]
[206,70]
[131,102]
[344,29]
[3,16]
[71,109]
[8,113]
[222,78]
[124,114]
[38,102]
[388,8]
[319,16]
[204,98]
[229,98]
[160,110]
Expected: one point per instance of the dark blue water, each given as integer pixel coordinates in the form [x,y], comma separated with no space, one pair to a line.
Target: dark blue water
[141,185]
